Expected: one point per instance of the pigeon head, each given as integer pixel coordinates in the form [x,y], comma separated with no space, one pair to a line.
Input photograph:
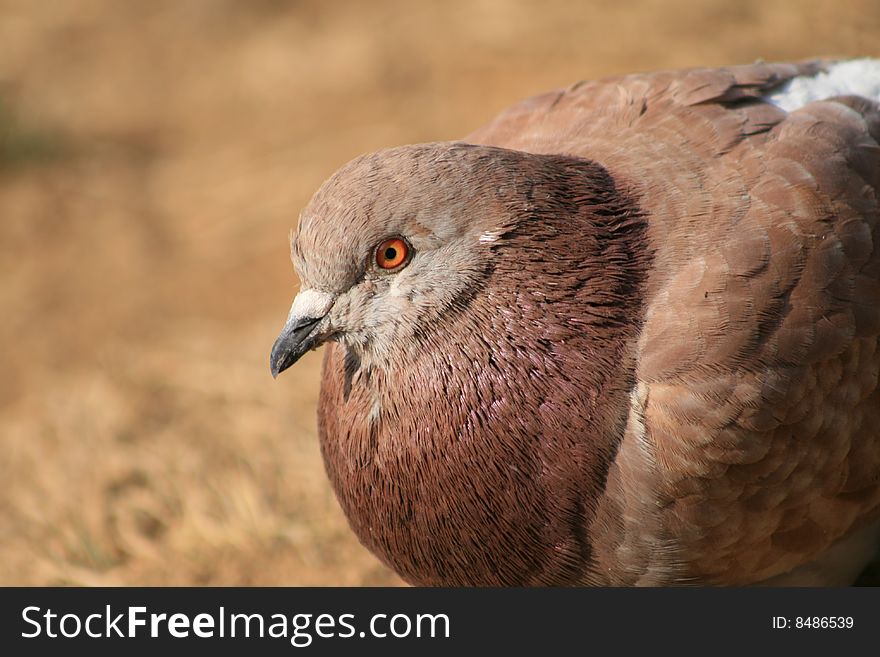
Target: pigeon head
[391,243]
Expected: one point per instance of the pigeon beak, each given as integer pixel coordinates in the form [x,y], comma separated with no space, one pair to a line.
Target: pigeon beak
[300,333]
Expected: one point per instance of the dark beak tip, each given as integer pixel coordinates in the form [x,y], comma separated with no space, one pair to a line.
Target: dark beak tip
[293,342]
[276,368]
[279,359]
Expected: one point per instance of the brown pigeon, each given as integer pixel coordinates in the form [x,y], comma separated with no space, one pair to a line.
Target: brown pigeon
[628,333]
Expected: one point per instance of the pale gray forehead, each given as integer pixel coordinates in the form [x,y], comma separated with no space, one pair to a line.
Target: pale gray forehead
[425,193]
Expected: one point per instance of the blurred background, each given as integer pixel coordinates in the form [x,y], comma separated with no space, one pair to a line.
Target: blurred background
[154,156]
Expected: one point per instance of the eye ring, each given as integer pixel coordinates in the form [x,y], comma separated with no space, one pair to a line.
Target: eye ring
[392,254]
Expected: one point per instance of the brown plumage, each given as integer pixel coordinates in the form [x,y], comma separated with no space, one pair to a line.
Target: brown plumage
[636,339]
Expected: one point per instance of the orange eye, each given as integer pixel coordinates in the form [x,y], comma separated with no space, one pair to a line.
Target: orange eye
[392,253]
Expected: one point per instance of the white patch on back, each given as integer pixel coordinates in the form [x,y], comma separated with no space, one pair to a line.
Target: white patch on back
[488,237]
[856,77]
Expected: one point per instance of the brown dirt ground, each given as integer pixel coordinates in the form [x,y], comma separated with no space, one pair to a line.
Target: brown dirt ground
[153,156]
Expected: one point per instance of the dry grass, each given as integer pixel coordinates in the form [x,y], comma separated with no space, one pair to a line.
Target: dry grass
[153,156]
